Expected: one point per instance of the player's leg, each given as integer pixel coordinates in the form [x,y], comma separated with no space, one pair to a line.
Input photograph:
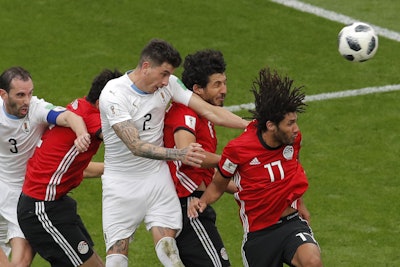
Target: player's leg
[301,250]
[21,252]
[117,253]
[199,243]
[55,231]
[4,259]
[261,248]
[164,216]
[4,248]
[123,210]
[165,246]
[307,255]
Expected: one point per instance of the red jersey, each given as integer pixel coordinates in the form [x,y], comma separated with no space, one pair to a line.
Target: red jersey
[56,167]
[187,178]
[269,180]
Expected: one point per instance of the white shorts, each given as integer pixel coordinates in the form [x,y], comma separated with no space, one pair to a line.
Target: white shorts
[134,198]
[9,227]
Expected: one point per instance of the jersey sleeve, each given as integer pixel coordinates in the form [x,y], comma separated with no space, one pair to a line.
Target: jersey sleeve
[180,93]
[229,161]
[45,111]
[181,117]
[114,106]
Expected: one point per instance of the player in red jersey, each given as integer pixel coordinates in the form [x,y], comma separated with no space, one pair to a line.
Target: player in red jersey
[199,242]
[264,163]
[46,214]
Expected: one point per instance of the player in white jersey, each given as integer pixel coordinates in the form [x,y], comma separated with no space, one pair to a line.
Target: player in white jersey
[23,118]
[137,185]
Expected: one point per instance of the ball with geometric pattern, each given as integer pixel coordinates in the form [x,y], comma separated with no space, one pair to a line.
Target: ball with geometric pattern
[357,42]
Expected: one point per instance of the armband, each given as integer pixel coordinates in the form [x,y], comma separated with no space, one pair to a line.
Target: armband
[52,116]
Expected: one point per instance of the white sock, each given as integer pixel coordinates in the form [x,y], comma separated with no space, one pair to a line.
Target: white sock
[167,252]
[116,260]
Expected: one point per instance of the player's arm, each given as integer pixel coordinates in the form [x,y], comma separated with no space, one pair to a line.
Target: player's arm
[213,192]
[94,170]
[217,115]
[191,155]
[184,138]
[76,123]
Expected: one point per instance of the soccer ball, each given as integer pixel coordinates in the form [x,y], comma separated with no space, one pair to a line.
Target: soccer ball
[357,42]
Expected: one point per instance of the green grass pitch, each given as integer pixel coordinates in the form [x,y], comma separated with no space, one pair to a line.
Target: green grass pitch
[351,145]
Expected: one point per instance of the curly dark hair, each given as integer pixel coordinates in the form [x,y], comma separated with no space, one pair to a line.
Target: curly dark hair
[198,67]
[274,98]
[99,82]
[158,52]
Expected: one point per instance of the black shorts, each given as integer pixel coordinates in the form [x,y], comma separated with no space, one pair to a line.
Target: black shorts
[199,242]
[277,244]
[55,230]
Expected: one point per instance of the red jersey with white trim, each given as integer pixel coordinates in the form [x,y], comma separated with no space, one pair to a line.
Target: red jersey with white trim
[56,167]
[187,178]
[269,180]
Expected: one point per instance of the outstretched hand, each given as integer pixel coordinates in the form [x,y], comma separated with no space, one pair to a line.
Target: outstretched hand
[195,206]
[82,142]
[193,155]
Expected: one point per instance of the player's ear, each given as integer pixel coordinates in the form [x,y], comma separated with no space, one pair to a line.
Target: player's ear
[197,89]
[2,92]
[270,126]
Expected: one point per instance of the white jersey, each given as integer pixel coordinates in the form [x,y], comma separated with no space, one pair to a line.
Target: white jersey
[19,137]
[120,101]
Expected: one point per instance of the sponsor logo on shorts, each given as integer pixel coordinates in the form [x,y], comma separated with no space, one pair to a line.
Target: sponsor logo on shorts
[83,247]
[224,255]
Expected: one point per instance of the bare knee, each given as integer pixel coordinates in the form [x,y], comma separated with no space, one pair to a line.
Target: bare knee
[21,252]
[119,247]
[307,255]
[160,232]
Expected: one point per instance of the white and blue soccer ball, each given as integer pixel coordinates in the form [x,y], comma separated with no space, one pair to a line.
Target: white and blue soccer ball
[357,42]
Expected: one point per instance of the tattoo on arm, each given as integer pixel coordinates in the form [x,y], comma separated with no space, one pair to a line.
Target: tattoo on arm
[127,132]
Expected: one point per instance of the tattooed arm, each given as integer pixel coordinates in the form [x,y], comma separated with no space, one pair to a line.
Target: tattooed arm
[126,131]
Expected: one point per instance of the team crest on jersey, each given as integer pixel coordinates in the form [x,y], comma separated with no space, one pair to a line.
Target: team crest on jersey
[26,126]
[163,99]
[288,152]
[74,104]
[229,166]
[224,255]
[190,122]
[83,247]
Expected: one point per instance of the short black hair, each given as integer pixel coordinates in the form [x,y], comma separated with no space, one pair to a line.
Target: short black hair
[159,51]
[198,67]
[13,73]
[274,98]
[99,82]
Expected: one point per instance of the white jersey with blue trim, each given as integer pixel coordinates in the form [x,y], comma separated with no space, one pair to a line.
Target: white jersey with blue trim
[120,101]
[19,137]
